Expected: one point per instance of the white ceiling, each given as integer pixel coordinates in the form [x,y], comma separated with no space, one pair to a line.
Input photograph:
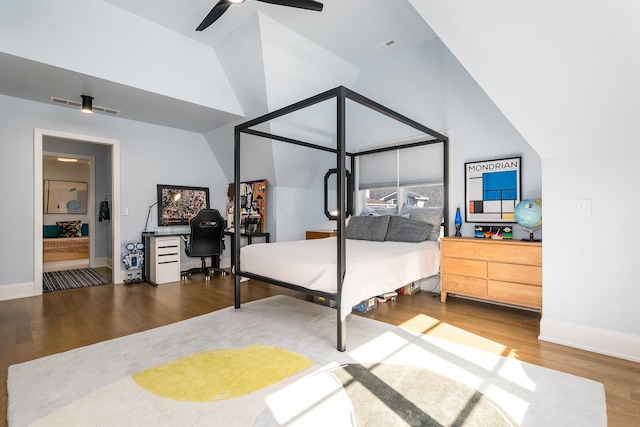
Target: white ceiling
[351,29]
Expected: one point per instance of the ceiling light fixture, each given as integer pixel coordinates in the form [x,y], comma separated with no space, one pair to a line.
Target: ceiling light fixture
[87,104]
[67,159]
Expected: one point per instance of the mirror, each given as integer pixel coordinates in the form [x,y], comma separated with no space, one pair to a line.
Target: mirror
[331,194]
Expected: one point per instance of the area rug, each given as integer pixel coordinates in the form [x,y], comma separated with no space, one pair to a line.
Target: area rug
[71,279]
[274,362]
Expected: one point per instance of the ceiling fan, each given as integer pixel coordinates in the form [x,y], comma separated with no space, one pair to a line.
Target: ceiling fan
[223,5]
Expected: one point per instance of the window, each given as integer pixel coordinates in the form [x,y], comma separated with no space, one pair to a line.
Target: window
[391,180]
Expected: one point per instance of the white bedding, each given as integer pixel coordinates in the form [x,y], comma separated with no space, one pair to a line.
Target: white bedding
[373,268]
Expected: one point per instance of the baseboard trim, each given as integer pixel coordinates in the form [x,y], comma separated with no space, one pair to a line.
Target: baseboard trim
[16,290]
[610,343]
[65,265]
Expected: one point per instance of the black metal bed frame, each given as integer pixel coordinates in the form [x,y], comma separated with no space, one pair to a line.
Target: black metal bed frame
[341,94]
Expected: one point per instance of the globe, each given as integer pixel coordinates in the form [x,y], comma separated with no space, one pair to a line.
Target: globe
[528,214]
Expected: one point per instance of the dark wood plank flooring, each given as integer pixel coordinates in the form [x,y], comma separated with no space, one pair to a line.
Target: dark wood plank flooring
[35,327]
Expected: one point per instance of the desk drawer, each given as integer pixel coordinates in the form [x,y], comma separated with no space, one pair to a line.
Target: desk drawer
[167,272]
[172,257]
[164,250]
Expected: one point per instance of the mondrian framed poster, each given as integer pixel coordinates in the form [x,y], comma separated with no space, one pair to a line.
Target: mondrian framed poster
[492,190]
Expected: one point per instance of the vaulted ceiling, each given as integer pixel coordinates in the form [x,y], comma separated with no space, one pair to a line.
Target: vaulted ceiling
[145,59]
[565,77]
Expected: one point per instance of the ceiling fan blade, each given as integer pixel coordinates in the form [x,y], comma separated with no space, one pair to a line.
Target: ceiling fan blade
[302,4]
[215,13]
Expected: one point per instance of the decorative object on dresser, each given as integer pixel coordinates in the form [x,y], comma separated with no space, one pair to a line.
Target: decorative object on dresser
[458,223]
[504,271]
[320,234]
[529,215]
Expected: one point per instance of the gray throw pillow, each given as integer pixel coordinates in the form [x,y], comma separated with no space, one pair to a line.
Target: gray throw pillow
[407,230]
[431,216]
[367,228]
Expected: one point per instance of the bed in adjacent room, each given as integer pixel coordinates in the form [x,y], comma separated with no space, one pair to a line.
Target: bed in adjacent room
[371,255]
[65,244]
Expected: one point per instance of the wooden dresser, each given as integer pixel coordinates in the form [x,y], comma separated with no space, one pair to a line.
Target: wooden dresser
[320,234]
[506,271]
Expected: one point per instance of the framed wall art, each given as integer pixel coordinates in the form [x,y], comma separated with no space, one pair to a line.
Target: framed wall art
[492,190]
[178,204]
[65,197]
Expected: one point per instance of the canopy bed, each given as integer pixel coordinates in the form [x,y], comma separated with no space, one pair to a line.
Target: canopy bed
[347,268]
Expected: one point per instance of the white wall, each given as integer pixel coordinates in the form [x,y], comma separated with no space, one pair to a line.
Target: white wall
[150,155]
[590,261]
[568,85]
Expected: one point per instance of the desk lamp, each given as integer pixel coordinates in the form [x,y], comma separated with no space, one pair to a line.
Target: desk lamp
[175,195]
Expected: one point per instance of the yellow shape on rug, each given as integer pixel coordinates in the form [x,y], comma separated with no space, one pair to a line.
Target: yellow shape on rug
[221,374]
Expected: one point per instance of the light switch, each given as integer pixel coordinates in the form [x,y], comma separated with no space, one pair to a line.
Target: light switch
[125,211]
[584,207]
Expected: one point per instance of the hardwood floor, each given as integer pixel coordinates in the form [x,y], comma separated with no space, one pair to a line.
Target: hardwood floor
[35,327]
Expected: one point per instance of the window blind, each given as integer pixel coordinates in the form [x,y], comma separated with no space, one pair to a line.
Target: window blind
[410,166]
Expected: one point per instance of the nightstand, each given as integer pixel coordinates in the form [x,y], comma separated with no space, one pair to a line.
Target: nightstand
[320,234]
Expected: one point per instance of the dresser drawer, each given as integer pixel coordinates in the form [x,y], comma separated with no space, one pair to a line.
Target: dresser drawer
[515,293]
[464,267]
[523,253]
[517,273]
[463,248]
[471,286]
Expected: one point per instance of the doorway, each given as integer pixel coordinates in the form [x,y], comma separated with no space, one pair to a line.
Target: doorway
[113,147]
[70,191]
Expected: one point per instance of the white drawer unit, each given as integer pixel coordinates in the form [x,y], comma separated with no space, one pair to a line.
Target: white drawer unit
[164,262]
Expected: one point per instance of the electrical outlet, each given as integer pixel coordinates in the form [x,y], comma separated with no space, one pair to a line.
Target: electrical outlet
[125,211]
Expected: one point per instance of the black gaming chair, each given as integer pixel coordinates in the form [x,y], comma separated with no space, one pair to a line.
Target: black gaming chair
[206,240]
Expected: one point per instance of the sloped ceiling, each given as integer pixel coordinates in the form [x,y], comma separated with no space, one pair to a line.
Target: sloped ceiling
[144,57]
[271,66]
[565,75]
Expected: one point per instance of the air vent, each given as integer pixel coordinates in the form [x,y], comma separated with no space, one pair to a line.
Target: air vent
[387,44]
[76,104]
